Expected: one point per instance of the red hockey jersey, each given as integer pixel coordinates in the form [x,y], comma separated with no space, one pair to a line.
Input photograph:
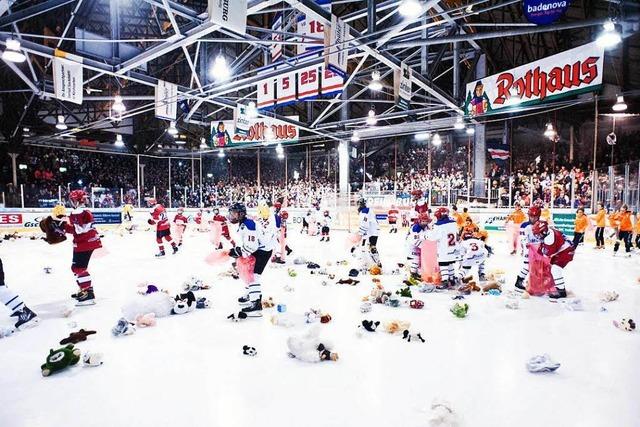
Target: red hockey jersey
[159,218]
[223,224]
[85,236]
[180,219]
[557,248]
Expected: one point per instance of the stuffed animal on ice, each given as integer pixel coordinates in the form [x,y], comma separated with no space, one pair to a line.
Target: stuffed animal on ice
[442,415]
[158,303]
[59,359]
[184,303]
[194,284]
[625,324]
[308,347]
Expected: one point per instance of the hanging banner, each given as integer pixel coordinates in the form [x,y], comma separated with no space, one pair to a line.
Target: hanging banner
[568,73]
[332,83]
[308,82]
[229,14]
[266,93]
[276,48]
[242,120]
[224,133]
[166,100]
[402,86]
[544,12]
[67,77]
[286,88]
[336,51]
[310,26]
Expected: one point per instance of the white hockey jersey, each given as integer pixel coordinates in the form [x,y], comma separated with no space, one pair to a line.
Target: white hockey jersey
[473,249]
[267,233]
[368,223]
[416,236]
[247,237]
[325,221]
[446,234]
[527,236]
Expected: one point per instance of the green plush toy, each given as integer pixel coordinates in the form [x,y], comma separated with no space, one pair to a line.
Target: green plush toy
[460,310]
[404,292]
[59,359]
[292,272]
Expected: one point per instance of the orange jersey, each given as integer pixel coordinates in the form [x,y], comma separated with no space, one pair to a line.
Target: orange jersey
[613,220]
[600,218]
[459,220]
[581,224]
[517,217]
[637,225]
[625,221]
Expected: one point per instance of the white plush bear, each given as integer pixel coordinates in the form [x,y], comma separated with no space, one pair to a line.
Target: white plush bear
[308,347]
[158,303]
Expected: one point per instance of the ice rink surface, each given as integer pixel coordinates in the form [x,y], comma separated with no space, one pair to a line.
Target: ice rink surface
[190,371]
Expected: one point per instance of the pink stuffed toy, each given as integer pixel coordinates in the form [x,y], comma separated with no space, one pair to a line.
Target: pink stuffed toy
[144,320]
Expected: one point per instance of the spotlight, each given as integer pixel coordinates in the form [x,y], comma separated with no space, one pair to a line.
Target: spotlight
[118,105]
[61,125]
[371,117]
[410,8]
[221,153]
[470,130]
[375,83]
[252,111]
[119,142]
[279,149]
[203,143]
[459,124]
[13,53]
[220,70]
[436,140]
[620,105]
[172,129]
[355,137]
[609,37]
[550,131]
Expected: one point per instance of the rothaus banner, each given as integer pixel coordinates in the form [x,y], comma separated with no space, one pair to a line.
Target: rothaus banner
[67,77]
[166,100]
[229,14]
[402,86]
[335,42]
[568,73]
[224,133]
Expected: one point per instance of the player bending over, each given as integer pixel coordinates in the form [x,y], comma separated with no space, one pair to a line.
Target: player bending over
[474,253]
[527,237]
[418,233]
[560,252]
[369,230]
[445,232]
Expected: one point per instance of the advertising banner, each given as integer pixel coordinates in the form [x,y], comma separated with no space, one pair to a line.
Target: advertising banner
[402,86]
[229,14]
[567,73]
[166,100]
[224,133]
[336,50]
[67,77]
[544,12]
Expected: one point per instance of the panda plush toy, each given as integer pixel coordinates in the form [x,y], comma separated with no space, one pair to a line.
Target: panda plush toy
[185,303]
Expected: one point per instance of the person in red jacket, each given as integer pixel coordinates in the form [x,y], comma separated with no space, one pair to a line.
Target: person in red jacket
[224,227]
[181,224]
[85,241]
[163,231]
[560,252]
[392,217]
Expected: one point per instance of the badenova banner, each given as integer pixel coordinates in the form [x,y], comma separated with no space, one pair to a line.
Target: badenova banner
[67,77]
[568,73]
[402,86]
[544,12]
[335,42]
[166,100]
[224,133]
[229,14]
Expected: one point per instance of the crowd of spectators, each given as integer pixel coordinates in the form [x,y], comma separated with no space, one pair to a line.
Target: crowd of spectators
[48,174]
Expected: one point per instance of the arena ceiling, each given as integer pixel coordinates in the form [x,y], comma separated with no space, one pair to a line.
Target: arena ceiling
[143,41]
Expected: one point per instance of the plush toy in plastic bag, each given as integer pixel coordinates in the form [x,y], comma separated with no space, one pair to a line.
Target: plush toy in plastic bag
[245,267]
[540,279]
[429,269]
[513,233]
[217,257]
[283,244]
[215,233]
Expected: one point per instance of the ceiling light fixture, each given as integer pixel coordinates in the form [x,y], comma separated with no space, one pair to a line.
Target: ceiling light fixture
[13,53]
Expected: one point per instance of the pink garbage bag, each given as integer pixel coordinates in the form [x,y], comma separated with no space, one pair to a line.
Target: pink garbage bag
[540,279]
[429,269]
[215,233]
[245,266]
[352,240]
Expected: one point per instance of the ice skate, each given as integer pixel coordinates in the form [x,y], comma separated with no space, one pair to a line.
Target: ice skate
[244,300]
[160,254]
[254,309]
[85,297]
[277,260]
[26,319]
[322,239]
[519,285]
[558,294]
[175,250]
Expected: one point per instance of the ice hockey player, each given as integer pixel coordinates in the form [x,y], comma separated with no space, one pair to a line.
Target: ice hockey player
[306,221]
[25,317]
[560,252]
[85,241]
[392,217]
[163,231]
[181,224]
[126,212]
[473,253]
[527,237]
[325,223]
[445,232]
[405,219]
[281,217]
[369,230]
[418,233]
[258,243]
[420,204]
[224,227]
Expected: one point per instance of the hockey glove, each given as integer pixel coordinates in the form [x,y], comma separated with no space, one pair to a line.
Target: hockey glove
[150,221]
[235,252]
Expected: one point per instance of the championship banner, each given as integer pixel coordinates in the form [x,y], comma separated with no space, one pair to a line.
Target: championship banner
[67,77]
[166,100]
[276,48]
[242,120]
[402,86]
[225,133]
[336,50]
[229,14]
[568,73]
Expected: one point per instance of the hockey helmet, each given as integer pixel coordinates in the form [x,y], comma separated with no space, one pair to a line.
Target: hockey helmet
[284,215]
[416,193]
[362,203]
[424,218]
[237,212]
[534,211]
[77,196]
[441,213]
[540,228]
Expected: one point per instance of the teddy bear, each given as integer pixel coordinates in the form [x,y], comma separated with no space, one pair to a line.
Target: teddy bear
[249,351]
[76,337]
[184,303]
[59,359]
[459,310]
[92,359]
[404,292]
[194,284]
[396,326]
[145,320]
[369,325]
[158,303]
[625,324]
[123,327]
[308,347]
[268,303]
[282,320]
[416,337]
[443,415]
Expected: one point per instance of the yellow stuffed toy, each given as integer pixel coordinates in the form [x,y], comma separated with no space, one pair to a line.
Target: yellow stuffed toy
[58,211]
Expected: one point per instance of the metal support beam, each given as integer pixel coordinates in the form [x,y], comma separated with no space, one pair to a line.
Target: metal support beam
[32,11]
